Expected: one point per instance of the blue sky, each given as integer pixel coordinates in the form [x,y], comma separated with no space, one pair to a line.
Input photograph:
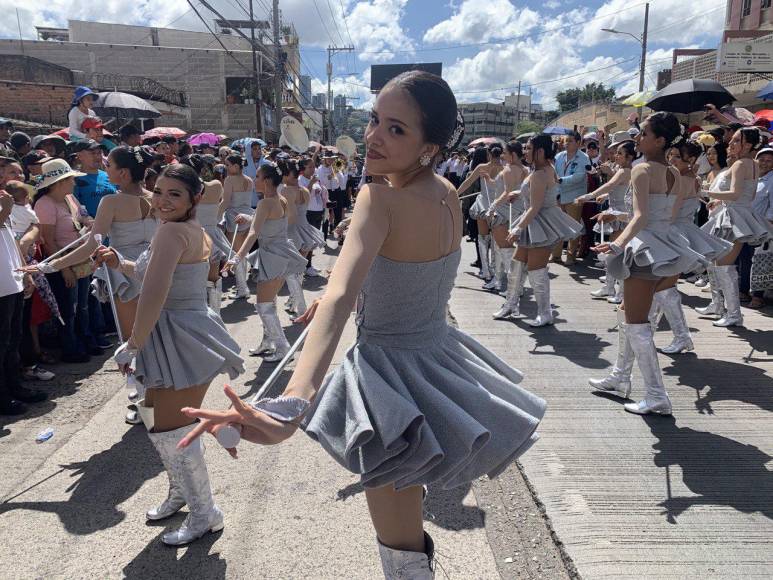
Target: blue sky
[503,40]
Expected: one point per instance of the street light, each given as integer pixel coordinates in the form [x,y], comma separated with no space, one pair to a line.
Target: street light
[641,40]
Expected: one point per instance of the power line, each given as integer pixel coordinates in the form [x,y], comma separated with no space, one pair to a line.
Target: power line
[335,22]
[322,20]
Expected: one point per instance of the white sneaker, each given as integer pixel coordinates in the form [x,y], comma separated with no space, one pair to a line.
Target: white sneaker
[36,373]
[312,271]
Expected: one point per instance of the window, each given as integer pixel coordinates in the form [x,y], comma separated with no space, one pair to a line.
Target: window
[766,4]
[746,8]
[239,90]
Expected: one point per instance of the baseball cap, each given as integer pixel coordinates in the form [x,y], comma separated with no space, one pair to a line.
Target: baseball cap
[92,123]
[84,145]
[6,123]
[766,150]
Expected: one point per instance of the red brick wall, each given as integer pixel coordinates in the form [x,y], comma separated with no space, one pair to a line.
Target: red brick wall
[47,104]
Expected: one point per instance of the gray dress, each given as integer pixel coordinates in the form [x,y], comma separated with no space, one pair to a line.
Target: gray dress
[617,205]
[189,345]
[710,247]
[550,226]
[416,401]
[276,256]
[206,215]
[241,202]
[502,211]
[659,250]
[129,239]
[735,221]
[488,193]
[305,236]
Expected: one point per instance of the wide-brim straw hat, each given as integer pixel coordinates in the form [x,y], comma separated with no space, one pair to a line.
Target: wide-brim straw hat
[53,171]
[619,137]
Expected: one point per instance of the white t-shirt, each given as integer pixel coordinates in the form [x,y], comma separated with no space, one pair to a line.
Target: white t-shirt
[22,217]
[316,196]
[11,281]
[326,177]
[76,118]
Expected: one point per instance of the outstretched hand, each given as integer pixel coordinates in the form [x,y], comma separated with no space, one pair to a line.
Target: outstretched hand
[257,427]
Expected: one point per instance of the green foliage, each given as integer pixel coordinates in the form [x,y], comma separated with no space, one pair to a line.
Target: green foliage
[571,99]
[526,126]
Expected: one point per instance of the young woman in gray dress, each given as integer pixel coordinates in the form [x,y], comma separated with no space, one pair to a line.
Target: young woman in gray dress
[238,213]
[649,250]
[535,232]
[275,261]
[177,346]
[209,213]
[735,221]
[414,401]
[503,212]
[616,217]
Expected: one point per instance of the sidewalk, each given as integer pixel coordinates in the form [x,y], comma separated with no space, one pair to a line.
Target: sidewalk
[630,497]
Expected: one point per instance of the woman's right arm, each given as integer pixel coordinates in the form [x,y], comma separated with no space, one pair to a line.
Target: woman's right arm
[640,182]
[366,235]
[101,226]
[469,181]
[617,179]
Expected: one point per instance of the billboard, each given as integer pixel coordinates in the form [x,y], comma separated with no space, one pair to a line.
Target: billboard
[745,57]
[381,74]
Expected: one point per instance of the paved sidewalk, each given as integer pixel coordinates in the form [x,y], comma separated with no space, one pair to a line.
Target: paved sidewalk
[630,497]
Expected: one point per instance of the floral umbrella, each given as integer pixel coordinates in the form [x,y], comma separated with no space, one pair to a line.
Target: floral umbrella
[164,132]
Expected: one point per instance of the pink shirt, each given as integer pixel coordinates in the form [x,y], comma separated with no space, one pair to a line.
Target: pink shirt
[51,213]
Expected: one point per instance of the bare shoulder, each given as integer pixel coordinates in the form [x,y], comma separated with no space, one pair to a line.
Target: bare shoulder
[642,168]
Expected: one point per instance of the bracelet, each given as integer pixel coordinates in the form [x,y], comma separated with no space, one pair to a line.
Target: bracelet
[235,259]
[46,268]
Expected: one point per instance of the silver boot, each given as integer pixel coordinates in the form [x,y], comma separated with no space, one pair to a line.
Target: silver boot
[274,329]
[515,280]
[656,311]
[717,305]
[485,266]
[190,470]
[618,382]
[405,565]
[266,345]
[496,269]
[727,276]
[671,303]
[655,397]
[607,290]
[175,499]
[617,292]
[296,291]
[540,283]
[240,274]
[506,258]
[215,295]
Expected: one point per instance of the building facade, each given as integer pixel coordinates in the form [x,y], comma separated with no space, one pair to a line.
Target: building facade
[304,85]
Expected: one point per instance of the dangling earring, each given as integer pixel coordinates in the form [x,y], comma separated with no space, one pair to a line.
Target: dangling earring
[425,160]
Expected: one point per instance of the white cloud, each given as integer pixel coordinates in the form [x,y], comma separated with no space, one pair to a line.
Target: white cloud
[477,21]
[354,86]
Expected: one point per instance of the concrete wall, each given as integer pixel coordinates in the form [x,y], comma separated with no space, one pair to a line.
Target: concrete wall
[23,68]
[199,73]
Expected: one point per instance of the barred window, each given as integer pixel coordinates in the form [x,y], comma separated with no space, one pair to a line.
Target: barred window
[766,3]
[746,9]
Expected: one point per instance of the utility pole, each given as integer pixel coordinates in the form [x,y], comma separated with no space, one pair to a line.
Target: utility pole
[279,69]
[255,77]
[331,50]
[518,110]
[643,50]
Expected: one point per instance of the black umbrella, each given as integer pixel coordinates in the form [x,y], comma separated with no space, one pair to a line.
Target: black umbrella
[123,106]
[690,95]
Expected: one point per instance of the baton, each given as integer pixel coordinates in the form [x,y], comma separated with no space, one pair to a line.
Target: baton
[230,252]
[229,435]
[67,247]
[468,195]
[98,239]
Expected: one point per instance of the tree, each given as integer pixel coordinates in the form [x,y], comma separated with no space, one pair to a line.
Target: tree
[526,126]
[571,99]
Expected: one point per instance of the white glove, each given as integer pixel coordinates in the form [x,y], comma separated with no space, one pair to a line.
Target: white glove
[284,409]
[125,355]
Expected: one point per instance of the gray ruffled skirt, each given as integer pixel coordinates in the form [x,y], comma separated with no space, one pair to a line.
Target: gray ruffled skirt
[229,218]
[549,227]
[306,237]
[187,348]
[276,259]
[480,207]
[220,244]
[446,413]
[125,288]
[655,255]
[710,247]
[738,223]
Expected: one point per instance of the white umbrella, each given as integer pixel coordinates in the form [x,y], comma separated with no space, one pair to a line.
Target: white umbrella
[124,106]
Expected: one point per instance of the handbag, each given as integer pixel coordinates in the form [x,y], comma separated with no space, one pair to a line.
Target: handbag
[84,269]
[761,278]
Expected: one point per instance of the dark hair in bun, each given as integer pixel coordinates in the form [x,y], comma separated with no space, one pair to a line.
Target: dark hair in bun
[629,147]
[667,126]
[515,147]
[194,161]
[272,172]
[690,149]
[290,167]
[544,142]
[235,159]
[752,136]
[135,159]
[436,102]
[496,151]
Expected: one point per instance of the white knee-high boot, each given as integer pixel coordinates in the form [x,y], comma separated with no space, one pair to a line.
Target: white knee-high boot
[727,276]
[505,258]
[405,565]
[717,305]
[483,247]
[275,331]
[671,304]
[515,280]
[496,268]
[190,471]
[240,274]
[618,382]
[266,345]
[655,396]
[296,292]
[540,283]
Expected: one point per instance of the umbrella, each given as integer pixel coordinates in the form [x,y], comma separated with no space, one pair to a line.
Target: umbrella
[639,99]
[123,106]
[557,131]
[690,95]
[764,115]
[65,133]
[486,141]
[247,142]
[525,136]
[204,139]
[766,93]
[164,132]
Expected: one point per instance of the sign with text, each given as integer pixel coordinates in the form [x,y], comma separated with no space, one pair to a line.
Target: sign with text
[745,57]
